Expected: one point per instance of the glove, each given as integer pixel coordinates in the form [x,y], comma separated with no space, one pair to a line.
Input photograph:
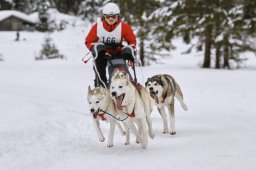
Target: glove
[98,48]
[128,53]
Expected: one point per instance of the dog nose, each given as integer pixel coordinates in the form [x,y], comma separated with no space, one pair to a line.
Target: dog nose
[92,110]
[113,94]
[151,88]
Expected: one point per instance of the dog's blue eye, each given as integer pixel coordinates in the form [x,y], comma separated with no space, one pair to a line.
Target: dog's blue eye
[120,87]
[97,102]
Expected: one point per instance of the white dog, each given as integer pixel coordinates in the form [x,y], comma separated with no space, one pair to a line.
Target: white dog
[133,102]
[100,102]
[163,89]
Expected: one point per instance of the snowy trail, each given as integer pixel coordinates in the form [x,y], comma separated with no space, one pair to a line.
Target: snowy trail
[45,122]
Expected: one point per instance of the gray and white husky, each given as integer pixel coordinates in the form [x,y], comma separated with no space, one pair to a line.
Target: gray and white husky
[132,101]
[163,89]
[100,100]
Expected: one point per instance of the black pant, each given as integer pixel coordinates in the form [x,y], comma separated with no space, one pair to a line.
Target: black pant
[101,64]
[100,70]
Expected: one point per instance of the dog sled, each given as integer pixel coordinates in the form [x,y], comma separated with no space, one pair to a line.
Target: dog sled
[116,61]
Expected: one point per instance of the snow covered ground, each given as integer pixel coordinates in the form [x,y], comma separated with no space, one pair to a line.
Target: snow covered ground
[45,122]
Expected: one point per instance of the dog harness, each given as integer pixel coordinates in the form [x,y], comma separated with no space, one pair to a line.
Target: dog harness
[135,84]
[102,116]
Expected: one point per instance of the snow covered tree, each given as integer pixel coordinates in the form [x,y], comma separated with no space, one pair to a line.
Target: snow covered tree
[67,6]
[90,9]
[19,5]
[237,33]
[43,7]
[249,15]
[218,25]
[5,4]
[136,13]
[186,19]
[49,50]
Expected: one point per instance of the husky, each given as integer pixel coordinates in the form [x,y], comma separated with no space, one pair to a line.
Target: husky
[135,102]
[100,102]
[163,89]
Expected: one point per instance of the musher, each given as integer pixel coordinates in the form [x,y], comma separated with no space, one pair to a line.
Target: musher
[109,30]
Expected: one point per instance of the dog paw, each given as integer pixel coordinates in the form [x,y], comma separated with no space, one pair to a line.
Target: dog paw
[127,143]
[152,135]
[165,131]
[144,146]
[137,141]
[123,133]
[173,133]
[110,145]
[101,139]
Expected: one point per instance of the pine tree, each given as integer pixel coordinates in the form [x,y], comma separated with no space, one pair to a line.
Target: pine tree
[136,13]
[49,50]
[43,7]
[249,15]
[5,5]
[219,25]
[236,37]
[19,5]
[90,9]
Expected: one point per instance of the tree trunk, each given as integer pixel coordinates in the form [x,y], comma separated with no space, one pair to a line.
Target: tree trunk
[217,55]
[226,52]
[142,51]
[217,32]
[207,44]
[141,32]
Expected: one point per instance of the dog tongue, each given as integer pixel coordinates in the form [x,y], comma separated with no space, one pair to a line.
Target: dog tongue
[156,98]
[95,114]
[119,102]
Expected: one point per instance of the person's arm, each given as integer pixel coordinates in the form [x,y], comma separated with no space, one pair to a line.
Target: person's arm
[128,35]
[91,37]
[130,50]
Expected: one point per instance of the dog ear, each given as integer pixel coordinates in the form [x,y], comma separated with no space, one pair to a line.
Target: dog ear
[115,76]
[167,89]
[164,82]
[146,83]
[126,82]
[127,77]
[101,90]
[89,91]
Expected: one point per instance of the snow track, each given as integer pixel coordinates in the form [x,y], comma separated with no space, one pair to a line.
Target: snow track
[45,122]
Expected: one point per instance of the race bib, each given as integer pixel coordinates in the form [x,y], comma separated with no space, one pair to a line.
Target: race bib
[109,37]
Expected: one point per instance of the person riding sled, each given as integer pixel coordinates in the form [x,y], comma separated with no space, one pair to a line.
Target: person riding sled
[105,40]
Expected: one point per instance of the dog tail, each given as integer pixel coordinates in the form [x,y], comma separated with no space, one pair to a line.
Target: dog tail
[183,105]
[179,96]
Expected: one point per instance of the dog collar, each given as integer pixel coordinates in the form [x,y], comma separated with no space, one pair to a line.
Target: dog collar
[132,115]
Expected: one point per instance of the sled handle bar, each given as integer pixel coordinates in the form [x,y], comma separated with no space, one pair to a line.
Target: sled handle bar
[113,45]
